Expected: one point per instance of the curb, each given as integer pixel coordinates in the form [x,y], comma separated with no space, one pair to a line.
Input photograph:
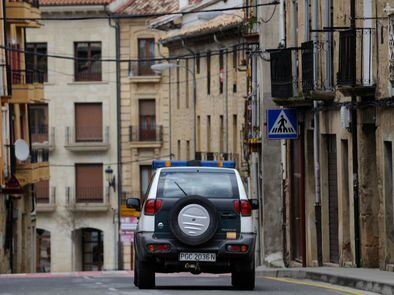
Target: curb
[341,280]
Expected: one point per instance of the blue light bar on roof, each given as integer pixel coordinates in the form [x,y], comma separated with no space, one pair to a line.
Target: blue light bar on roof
[162,163]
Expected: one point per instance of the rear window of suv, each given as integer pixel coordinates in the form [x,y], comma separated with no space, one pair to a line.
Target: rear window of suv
[209,184]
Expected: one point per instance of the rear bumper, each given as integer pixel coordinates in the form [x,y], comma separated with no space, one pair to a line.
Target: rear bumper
[169,261]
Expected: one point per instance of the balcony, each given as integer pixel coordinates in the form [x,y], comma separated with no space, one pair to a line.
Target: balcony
[42,139]
[34,170]
[27,86]
[88,198]
[354,75]
[146,137]
[25,13]
[46,198]
[140,72]
[90,139]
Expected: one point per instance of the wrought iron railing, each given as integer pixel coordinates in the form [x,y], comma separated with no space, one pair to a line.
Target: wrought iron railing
[27,76]
[141,68]
[355,57]
[86,134]
[281,74]
[137,133]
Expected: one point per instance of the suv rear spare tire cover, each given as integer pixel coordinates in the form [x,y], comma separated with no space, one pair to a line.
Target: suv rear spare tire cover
[194,220]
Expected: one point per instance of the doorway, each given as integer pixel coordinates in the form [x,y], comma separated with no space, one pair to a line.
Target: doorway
[43,251]
[92,249]
[297,200]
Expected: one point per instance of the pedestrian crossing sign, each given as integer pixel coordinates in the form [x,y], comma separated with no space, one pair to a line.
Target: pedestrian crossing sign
[282,124]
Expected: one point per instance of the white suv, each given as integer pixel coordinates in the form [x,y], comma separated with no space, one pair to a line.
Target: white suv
[196,218]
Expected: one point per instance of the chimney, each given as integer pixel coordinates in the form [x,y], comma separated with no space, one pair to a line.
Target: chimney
[183,3]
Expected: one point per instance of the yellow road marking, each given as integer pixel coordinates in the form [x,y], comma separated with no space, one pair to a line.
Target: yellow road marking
[311,284]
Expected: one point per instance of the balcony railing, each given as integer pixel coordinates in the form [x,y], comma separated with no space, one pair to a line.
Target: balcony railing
[281,74]
[355,58]
[87,134]
[89,194]
[141,68]
[39,155]
[27,76]
[88,198]
[145,134]
[87,76]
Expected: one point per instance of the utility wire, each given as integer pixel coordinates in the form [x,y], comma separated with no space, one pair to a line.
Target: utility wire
[148,15]
[218,51]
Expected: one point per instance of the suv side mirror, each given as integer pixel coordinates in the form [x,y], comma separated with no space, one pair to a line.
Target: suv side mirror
[133,203]
[254,203]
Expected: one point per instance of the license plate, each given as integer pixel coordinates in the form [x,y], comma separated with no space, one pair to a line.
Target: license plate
[206,257]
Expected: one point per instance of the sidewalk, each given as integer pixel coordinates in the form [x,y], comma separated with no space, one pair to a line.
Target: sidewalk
[372,280]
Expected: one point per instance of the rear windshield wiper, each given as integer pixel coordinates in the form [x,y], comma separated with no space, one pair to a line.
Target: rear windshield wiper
[181,189]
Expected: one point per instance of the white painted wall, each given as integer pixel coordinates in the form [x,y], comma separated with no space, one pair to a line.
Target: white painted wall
[62,92]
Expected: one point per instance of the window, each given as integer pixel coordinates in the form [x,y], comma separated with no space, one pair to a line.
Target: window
[198,133]
[146,55]
[221,134]
[205,184]
[221,71]
[235,134]
[187,150]
[388,175]
[208,133]
[208,72]
[146,172]
[88,61]
[235,66]
[179,149]
[39,122]
[198,63]
[89,183]
[14,57]
[42,191]
[178,89]
[37,62]
[147,119]
[187,82]
[88,122]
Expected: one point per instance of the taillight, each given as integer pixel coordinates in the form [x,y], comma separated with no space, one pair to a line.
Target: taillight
[237,248]
[243,207]
[159,247]
[152,206]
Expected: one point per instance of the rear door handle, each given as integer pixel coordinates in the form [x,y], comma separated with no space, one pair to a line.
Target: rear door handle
[229,215]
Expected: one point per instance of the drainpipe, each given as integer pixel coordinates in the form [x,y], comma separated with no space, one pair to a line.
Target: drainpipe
[356,196]
[194,95]
[118,247]
[159,44]
[294,44]
[225,52]
[328,37]
[316,139]
[282,23]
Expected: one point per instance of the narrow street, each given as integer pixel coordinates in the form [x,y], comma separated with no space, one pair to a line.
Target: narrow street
[121,283]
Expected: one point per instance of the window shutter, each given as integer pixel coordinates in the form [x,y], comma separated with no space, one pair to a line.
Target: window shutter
[89,183]
[88,122]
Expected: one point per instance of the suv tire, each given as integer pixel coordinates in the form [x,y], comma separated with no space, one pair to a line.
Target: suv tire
[144,275]
[210,231]
[244,280]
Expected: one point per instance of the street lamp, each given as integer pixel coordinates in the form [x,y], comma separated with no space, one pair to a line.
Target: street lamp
[110,177]
[161,67]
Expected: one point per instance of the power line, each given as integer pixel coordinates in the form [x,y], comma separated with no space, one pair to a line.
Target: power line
[218,51]
[148,15]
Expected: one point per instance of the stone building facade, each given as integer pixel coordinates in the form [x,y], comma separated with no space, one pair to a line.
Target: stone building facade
[20,89]
[337,65]
[77,210]
[210,49]
[144,105]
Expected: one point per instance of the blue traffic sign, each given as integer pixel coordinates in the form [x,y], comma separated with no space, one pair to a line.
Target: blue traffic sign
[282,124]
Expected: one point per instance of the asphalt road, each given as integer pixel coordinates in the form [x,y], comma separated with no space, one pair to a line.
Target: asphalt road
[121,283]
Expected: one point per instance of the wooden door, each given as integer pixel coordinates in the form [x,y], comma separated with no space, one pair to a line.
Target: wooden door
[297,202]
